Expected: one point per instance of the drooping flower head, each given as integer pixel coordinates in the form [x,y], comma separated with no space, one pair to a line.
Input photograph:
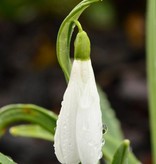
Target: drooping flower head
[78,136]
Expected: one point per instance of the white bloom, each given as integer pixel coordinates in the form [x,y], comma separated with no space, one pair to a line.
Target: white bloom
[78,136]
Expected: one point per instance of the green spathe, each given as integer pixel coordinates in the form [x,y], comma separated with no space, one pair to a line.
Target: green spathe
[82,46]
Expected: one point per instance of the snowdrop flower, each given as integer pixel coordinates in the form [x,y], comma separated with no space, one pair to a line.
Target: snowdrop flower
[78,136]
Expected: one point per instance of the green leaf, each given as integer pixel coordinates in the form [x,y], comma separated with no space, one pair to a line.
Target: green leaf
[121,155]
[109,147]
[109,118]
[64,36]
[132,159]
[27,112]
[151,70]
[5,159]
[114,135]
[33,131]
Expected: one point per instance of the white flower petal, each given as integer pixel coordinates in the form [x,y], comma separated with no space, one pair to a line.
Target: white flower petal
[89,119]
[78,134]
[65,135]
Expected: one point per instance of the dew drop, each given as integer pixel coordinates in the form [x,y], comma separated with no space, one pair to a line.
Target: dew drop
[104,128]
[103,142]
[100,155]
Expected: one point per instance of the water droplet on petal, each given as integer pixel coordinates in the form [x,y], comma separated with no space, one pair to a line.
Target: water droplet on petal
[104,128]
[103,142]
[100,155]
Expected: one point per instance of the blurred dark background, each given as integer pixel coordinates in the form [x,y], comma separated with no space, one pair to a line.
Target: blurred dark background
[29,71]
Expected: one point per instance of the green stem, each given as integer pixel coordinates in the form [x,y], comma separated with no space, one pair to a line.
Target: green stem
[151,70]
[78,25]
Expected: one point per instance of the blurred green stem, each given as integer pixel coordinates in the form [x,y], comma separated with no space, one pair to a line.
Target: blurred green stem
[151,70]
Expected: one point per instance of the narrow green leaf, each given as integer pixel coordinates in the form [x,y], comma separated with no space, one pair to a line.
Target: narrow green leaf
[121,155]
[132,159]
[114,135]
[64,36]
[5,159]
[33,131]
[27,112]
[109,147]
[109,118]
[151,70]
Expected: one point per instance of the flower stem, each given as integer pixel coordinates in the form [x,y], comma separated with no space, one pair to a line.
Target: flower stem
[78,25]
[151,70]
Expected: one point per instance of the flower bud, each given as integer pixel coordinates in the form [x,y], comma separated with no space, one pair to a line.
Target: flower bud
[82,46]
